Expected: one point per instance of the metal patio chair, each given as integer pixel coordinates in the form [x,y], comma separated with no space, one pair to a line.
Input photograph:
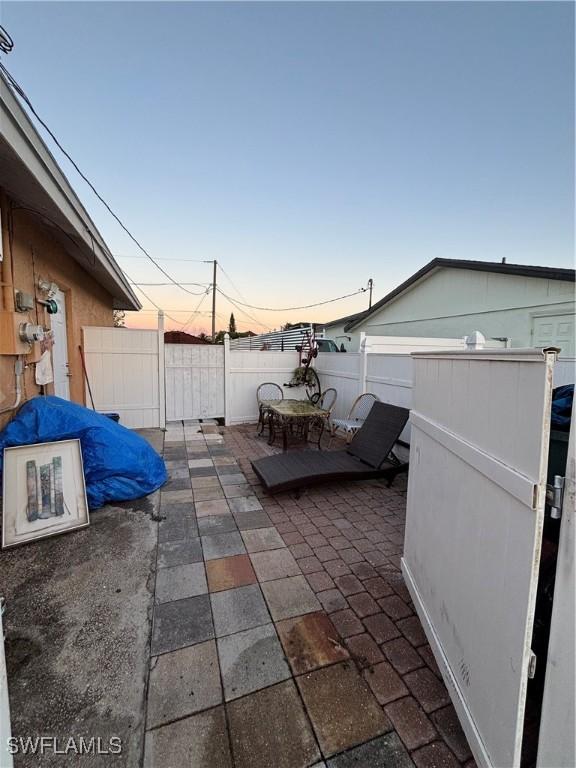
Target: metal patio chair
[267,391]
[361,407]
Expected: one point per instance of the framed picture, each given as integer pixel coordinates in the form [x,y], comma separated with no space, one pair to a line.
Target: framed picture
[43,491]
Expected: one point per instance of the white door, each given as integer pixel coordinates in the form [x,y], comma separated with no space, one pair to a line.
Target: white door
[556,745]
[476,491]
[555,331]
[60,349]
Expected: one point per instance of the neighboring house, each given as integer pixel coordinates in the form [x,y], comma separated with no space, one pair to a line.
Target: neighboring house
[51,251]
[449,298]
[335,330]
[181,337]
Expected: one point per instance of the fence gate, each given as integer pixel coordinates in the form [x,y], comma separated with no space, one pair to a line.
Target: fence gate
[194,381]
[125,369]
[478,456]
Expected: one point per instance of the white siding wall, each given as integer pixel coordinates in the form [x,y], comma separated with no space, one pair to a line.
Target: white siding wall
[453,302]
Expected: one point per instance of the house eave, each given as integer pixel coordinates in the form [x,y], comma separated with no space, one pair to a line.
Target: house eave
[32,178]
[525,270]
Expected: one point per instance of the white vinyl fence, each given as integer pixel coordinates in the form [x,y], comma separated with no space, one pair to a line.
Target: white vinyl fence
[194,381]
[125,370]
[383,366]
[246,370]
[133,373]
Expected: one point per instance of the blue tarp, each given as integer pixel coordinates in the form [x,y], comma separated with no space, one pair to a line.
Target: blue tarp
[118,464]
[562,398]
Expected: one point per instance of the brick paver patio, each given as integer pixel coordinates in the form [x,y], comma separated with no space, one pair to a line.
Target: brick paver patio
[283,634]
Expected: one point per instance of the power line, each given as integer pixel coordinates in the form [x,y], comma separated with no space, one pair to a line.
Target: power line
[243,311]
[185,325]
[239,292]
[162,258]
[20,91]
[289,309]
[154,303]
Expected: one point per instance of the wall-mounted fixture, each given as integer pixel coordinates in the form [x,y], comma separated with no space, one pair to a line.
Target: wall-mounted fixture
[50,304]
[24,301]
[48,288]
[29,332]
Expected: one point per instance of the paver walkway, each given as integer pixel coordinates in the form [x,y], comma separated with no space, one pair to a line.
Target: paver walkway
[283,634]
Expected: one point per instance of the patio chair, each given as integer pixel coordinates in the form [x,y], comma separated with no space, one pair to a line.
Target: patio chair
[327,402]
[358,413]
[368,456]
[267,391]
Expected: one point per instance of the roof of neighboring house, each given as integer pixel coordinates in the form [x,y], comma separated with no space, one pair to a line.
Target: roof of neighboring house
[347,319]
[525,270]
[33,179]
[181,337]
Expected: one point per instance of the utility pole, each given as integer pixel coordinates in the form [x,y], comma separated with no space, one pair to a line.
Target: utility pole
[370,282]
[214,302]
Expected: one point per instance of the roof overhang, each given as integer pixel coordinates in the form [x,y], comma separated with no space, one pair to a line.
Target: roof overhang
[32,178]
[525,270]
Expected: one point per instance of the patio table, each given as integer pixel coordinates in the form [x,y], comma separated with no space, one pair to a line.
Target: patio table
[287,414]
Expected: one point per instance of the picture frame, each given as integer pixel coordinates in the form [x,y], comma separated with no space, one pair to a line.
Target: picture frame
[43,491]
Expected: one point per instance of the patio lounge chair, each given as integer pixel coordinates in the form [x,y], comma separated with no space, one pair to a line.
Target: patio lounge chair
[368,456]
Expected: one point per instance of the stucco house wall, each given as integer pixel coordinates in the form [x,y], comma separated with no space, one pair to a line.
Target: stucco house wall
[35,255]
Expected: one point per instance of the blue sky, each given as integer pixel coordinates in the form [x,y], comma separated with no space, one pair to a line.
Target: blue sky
[311,146]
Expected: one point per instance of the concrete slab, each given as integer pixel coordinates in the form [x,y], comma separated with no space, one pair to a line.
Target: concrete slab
[177,528]
[289,597]
[172,553]
[208,494]
[200,741]
[181,623]
[183,682]
[180,581]
[244,503]
[230,572]
[385,750]
[251,660]
[262,539]
[77,623]
[222,545]
[234,610]
[234,491]
[270,728]
[343,710]
[247,520]
[217,507]
[275,565]
[216,524]
[310,642]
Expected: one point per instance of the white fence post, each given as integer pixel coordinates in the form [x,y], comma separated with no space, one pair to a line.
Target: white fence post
[227,414]
[363,371]
[161,372]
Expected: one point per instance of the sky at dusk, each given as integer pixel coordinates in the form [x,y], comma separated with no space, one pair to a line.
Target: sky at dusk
[310,146]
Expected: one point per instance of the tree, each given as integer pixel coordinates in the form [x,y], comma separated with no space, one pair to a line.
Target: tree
[119,318]
[232,325]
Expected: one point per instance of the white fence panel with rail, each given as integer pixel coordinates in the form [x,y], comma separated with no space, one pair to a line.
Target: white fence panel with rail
[194,381]
[245,371]
[125,370]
